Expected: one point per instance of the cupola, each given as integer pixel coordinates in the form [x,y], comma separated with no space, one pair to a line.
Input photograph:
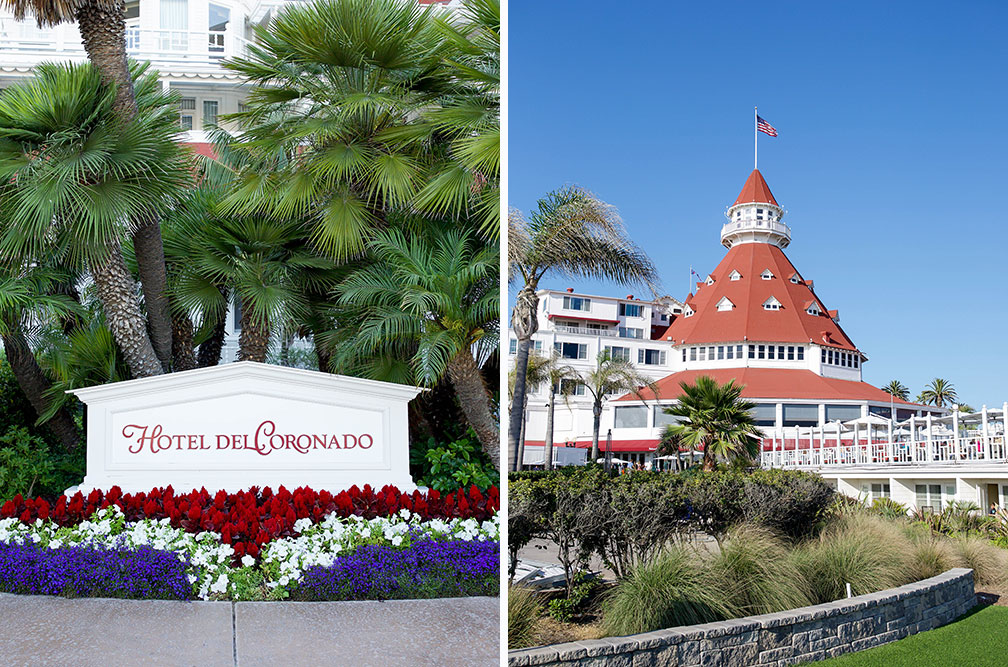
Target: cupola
[755,217]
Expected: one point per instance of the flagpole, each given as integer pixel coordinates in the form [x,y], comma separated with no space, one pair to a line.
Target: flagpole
[755,139]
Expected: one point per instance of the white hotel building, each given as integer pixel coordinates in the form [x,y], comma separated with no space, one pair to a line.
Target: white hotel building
[186,41]
[757,320]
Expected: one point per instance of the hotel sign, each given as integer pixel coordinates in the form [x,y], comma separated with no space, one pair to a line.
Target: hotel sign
[237,425]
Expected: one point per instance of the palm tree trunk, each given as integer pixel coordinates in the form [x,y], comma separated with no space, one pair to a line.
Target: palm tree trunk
[35,384]
[708,457]
[253,341]
[473,398]
[525,323]
[210,350]
[322,354]
[520,459]
[103,31]
[149,250]
[596,426]
[548,447]
[183,353]
[117,293]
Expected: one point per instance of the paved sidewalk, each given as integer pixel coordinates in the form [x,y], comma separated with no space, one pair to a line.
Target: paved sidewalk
[41,630]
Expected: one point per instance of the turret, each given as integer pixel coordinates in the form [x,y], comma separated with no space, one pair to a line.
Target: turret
[755,217]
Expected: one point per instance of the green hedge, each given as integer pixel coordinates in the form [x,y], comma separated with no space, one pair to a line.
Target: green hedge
[628,518]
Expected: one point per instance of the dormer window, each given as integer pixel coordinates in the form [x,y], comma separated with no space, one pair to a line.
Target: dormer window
[734,275]
[688,312]
[725,304]
[795,279]
[771,304]
[766,275]
[710,280]
[813,309]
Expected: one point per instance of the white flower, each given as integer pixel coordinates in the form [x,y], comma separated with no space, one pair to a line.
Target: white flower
[220,585]
[247,561]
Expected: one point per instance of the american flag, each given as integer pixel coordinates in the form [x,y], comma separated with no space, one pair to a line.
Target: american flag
[765,127]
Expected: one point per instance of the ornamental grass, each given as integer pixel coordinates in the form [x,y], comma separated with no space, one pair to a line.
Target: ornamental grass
[755,574]
[988,562]
[524,610]
[673,589]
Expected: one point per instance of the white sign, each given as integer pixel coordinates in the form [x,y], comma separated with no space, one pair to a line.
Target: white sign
[237,425]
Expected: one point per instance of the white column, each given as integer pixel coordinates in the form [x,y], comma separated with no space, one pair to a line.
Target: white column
[913,438]
[857,448]
[822,440]
[1004,434]
[838,441]
[930,440]
[955,429]
[889,446]
[986,435]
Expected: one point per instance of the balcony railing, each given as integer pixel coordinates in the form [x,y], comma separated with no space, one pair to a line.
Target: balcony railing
[175,47]
[585,331]
[831,452]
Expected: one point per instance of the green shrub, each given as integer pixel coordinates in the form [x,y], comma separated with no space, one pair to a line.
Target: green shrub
[457,464]
[867,552]
[25,464]
[755,573]
[671,590]
[887,508]
[524,610]
[566,608]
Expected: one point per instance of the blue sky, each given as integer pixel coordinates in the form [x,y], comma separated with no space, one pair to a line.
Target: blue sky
[892,159]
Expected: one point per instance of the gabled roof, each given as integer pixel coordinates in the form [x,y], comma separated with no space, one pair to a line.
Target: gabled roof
[748,320]
[774,383]
[755,190]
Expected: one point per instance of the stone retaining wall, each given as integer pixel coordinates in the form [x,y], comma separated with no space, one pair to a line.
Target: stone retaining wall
[785,638]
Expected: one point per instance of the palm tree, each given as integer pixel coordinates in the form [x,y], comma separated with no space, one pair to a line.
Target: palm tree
[376,102]
[72,179]
[938,392]
[265,264]
[434,294]
[610,377]
[560,378]
[102,25]
[572,233]
[898,390]
[29,297]
[715,418]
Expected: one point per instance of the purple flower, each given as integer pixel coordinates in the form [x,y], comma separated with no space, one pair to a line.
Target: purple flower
[88,571]
[426,569]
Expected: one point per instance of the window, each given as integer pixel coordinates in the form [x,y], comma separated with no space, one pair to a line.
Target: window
[662,418]
[595,326]
[684,354]
[766,275]
[823,351]
[710,280]
[209,114]
[187,105]
[771,304]
[133,10]
[765,414]
[572,350]
[738,352]
[237,316]
[710,353]
[790,353]
[631,332]
[879,490]
[842,412]
[692,354]
[762,352]
[513,346]
[703,354]
[930,495]
[631,310]
[576,303]
[857,361]
[186,122]
[885,412]
[801,415]
[731,350]
[801,354]
[813,309]
[725,304]
[770,352]
[795,279]
[752,351]
[688,313]
[174,25]
[734,275]
[631,416]
[651,357]
[720,352]
[571,388]
[780,351]
[619,353]
[219,18]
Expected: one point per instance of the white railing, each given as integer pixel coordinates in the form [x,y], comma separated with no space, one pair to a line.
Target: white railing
[827,451]
[585,331]
[749,224]
[157,46]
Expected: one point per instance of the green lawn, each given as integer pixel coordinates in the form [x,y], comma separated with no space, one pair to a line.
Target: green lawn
[978,638]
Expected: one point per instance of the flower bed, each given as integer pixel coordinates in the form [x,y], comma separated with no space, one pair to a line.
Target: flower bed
[261,545]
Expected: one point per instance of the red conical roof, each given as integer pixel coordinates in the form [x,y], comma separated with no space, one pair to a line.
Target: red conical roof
[748,320]
[756,191]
